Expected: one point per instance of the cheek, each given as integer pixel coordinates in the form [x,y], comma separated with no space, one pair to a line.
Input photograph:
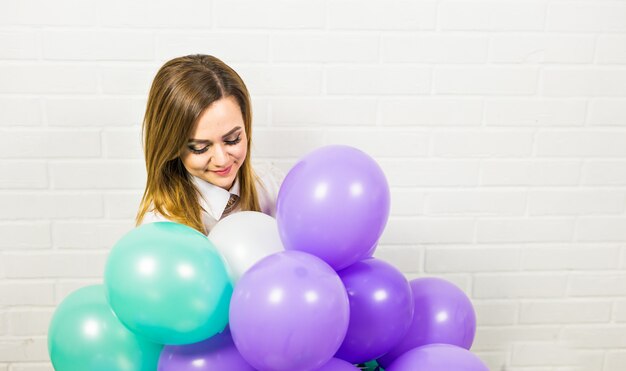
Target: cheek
[193,162]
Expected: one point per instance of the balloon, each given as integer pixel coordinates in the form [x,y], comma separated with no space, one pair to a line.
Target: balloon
[216,353]
[289,312]
[381,309]
[84,334]
[334,203]
[443,314]
[336,364]
[242,250]
[438,357]
[167,282]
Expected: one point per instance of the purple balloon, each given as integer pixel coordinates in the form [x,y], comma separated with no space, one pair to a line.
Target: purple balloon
[334,203]
[336,364]
[289,311]
[438,357]
[381,309]
[443,314]
[216,353]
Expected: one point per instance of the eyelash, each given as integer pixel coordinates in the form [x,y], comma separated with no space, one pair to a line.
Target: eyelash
[228,143]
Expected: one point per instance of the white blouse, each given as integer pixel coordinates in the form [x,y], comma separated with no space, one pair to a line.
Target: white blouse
[213,198]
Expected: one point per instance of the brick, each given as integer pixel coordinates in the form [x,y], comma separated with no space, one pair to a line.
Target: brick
[29,322]
[98,175]
[253,14]
[412,231]
[601,229]
[520,285]
[502,337]
[431,111]
[127,79]
[325,48]
[576,202]
[227,46]
[20,111]
[619,311]
[122,205]
[88,45]
[381,15]
[100,111]
[600,284]
[24,144]
[26,293]
[55,265]
[366,80]
[407,259]
[282,80]
[430,172]
[435,48]
[37,78]
[545,48]
[383,143]
[530,173]
[471,202]
[32,367]
[595,336]
[46,13]
[89,235]
[20,44]
[17,206]
[615,360]
[482,143]
[485,80]
[286,143]
[24,175]
[494,360]
[581,143]
[586,16]
[326,111]
[24,349]
[126,144]
[543,354]
[611,49]
[492,15]
[407,202]
[607,112]
[561,311]
[159,14]
[524,230]
[465,259]
[507,112]
[492,313]
[584,82]
[570,257]
[19,236]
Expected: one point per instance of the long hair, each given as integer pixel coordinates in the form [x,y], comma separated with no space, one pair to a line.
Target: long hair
[182,89]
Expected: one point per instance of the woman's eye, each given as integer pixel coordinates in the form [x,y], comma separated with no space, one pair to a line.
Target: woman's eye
[234,141]
[198,149]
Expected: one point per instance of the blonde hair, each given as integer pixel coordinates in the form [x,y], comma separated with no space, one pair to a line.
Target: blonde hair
[182,89]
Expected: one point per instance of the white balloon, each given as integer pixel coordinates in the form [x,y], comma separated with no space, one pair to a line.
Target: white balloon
[244,238]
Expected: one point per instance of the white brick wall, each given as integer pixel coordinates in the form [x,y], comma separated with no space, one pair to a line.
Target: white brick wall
[501,127]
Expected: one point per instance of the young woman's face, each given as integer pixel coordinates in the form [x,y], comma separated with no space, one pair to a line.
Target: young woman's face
[218,144]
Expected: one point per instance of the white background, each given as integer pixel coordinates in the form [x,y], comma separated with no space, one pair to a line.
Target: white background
[501,126]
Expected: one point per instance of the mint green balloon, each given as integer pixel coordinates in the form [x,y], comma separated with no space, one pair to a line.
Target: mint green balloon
[84,334]
[167,282]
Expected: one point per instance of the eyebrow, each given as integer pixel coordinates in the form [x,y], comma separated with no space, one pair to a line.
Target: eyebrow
[206,141]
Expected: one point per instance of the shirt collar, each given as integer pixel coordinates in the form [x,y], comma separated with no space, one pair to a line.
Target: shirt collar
[214,198]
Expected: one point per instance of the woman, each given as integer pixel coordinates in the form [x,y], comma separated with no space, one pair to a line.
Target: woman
[197,134]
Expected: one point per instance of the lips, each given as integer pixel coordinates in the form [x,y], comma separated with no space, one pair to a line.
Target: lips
[224,171]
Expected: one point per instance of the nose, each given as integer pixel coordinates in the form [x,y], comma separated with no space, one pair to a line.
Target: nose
[220,155]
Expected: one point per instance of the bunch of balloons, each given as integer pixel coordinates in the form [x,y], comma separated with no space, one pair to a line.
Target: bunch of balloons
[299,292]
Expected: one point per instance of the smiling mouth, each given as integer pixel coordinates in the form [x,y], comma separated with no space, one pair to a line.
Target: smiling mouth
[223,172]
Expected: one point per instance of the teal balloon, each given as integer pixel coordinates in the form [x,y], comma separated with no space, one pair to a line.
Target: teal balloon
[167,282]
[85,334]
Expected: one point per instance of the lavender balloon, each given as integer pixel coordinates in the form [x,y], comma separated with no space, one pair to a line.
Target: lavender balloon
[216,353]
[336,364]
[334,203]
[381,309]
[443,314]
[289,311]
[438,357]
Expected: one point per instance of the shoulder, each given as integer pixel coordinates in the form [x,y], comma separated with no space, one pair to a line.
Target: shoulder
[269,179]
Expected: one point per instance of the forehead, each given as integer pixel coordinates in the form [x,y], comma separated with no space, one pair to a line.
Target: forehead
[218,119]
